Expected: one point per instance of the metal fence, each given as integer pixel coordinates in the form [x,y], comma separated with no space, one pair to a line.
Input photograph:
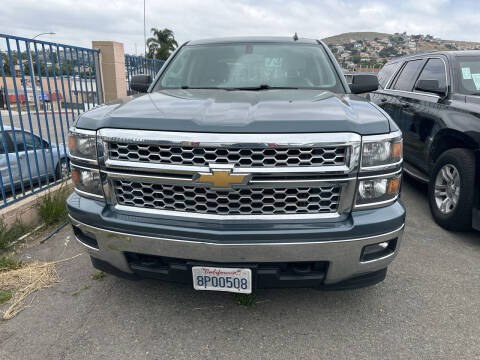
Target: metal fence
[44,87]
[139,65]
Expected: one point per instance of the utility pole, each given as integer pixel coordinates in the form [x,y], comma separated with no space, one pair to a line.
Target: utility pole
[144,30]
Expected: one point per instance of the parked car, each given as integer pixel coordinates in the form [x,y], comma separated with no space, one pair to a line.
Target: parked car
[31,159]
[248,163]
[435,100]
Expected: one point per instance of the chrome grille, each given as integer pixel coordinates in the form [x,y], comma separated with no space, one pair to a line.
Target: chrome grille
[235,155]
[241,201]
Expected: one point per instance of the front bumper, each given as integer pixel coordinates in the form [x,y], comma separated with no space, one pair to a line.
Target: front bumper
[108,236]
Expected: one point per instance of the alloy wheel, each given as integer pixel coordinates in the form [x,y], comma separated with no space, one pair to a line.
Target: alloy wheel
[447,188]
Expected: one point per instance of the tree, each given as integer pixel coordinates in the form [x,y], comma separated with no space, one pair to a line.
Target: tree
[5,62]
[161,44]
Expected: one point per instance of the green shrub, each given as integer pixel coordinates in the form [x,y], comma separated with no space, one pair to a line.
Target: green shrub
[8,263]
[99,276]
[8,234]
[247,300]
[5,296]
[52,207]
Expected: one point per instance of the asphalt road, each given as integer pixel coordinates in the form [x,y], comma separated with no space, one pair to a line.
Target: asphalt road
[427,308]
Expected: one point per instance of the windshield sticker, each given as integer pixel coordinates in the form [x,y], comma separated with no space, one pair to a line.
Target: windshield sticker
[476,80]
[466,73]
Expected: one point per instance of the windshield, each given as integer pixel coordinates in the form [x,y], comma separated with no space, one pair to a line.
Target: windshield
[251,67]
[469,73]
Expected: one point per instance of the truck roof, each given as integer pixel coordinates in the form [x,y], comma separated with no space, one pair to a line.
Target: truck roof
[449,53]
[252,39]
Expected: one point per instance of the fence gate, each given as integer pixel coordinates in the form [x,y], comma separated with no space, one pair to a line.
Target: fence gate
[139,65]
[44,86]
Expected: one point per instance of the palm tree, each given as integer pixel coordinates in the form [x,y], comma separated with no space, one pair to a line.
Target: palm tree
[161,44]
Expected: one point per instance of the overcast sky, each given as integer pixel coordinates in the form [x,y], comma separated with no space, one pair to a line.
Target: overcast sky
[77,22]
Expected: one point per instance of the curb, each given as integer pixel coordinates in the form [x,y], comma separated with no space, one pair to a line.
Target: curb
[26,210]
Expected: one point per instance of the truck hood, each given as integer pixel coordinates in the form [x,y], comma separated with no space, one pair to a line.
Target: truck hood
[222,111]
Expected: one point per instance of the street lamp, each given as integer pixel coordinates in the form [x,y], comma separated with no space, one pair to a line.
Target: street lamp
[44,33]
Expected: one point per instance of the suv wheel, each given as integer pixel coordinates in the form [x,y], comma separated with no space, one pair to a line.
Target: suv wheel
[451,188]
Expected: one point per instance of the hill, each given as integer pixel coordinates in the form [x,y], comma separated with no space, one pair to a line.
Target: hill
[342,38]
[373,49]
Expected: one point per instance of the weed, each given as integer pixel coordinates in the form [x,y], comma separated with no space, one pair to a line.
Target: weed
[99,276]
[84,287]
[52,207]
[8,263]
[5,295]
[11,233]
[248,300]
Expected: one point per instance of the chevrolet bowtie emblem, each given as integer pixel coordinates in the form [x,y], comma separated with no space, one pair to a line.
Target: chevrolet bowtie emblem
[222,179]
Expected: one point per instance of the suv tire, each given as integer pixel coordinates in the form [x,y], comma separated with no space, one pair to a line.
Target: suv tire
[454,177]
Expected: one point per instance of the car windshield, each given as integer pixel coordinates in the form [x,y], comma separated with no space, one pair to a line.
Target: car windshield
[469,73]
[252,66]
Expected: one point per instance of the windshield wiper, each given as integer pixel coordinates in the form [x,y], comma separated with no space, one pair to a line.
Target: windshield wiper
[200,87]
[250,88]
[261,87]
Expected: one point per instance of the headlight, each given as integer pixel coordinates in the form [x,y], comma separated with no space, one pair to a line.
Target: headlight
[381,151]
[87,182]
[82,144]
[378,190]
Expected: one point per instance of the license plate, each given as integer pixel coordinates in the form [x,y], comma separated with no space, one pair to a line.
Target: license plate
[222,279]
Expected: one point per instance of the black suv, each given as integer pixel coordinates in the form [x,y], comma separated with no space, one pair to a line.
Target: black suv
[435,100]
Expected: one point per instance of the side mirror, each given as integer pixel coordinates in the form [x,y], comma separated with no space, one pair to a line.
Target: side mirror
[363,83]
[431,86]
[140,83]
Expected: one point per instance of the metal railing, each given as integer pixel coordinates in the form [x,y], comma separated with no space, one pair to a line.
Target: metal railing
[44,87]
[139,65]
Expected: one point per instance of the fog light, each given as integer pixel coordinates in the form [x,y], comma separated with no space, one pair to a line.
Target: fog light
[379,250]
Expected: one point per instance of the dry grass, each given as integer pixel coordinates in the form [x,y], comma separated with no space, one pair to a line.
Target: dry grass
[25,281]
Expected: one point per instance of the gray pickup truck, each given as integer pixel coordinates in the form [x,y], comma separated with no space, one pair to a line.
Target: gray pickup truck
[246,163]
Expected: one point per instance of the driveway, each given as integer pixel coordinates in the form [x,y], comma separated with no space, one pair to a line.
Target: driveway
[428,307]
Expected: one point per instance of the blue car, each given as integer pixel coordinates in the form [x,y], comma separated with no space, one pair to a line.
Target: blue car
[34,156]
